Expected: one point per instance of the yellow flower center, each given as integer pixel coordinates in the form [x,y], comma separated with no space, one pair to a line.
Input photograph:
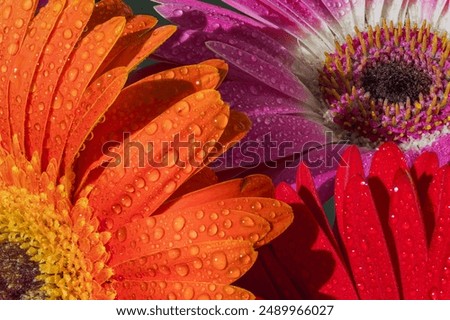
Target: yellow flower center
[68,251]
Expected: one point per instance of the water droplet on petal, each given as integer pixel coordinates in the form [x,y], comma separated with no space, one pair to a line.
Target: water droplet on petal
[116,208]
[188,293]
[212,230]
[182,270]
[257,206]
[126,201]
[170,187]
[247,222]
[182,108]
[178,223]
[122,234]
[153,175]
[144,238]
[67,34]
[158,233]
[200,214]
[234,273]
[193,234]
[174,253]
[219,260]
[221,121]
[27,5]
[197,263]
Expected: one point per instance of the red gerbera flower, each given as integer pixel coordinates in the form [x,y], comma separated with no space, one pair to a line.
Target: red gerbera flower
[391,238]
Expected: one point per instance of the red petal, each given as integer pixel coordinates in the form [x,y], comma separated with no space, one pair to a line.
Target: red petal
[385,164]
[422,172]
[308,195]
[366,248]
[439,253]
[309,256]
[408,230]
[351,166]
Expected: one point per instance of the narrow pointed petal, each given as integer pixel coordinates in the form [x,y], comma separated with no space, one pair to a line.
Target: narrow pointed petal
[97,98]
[204,178]
[309,255]
[133,109]
[12,11]
[221,65]
[439,252]
[406,224]
[254,185]
[213,261]
[52,64]
[423,170]
[177,229]
[167,168]
[163,290]
[136,52]
[135,28]
[26,64]
[366,248]
[307,192]
[107,9]
[80,71]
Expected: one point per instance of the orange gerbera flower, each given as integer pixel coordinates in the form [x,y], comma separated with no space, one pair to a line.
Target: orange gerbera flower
[79,224]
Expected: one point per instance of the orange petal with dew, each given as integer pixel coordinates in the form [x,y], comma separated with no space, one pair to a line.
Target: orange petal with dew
[53,59]
[150,235]
[159,167]
[135,28]
[163,290]
[203,178]
[221,65]
[277,213]
[238,126]
[138,51]
[16,16]
[97,98]
[106,10]
[218,262]
[251,186]
[75,80]
[26,63]
[141,102]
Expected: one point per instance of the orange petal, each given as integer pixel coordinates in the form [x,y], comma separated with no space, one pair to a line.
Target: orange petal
[52,62]
[171,230]
[106,10]
[238,126]
[165,168]
[141,102]
[162,290]
[16,16]
[277,213]
[76,78]
[218,262]
[135,27]
[203,178]
[26,63]
[221,65]
[136,52]
[251,186]
[98,97]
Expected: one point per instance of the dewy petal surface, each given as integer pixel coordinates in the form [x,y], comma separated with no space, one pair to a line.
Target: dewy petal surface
[68,209]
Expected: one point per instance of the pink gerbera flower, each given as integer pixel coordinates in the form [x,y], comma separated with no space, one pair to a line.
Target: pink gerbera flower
[390,240]
[368,71]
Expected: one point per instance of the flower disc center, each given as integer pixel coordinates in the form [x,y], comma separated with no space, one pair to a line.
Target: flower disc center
[18,274]
[389,83]
[395,82]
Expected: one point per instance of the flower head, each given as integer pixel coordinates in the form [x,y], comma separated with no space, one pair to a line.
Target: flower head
[368,71]
[81,216]
[390,238]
